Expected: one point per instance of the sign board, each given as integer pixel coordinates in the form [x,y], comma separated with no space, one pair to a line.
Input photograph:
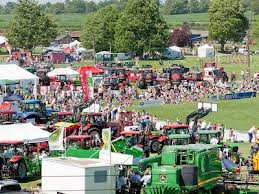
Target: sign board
[208,105]
[149,103]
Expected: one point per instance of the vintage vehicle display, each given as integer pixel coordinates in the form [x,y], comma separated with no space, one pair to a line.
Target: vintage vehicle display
[184,168]
[112,82]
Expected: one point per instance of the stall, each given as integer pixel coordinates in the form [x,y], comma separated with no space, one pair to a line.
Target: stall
[206,51]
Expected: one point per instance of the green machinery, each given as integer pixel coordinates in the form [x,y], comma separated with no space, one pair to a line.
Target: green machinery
[184,169]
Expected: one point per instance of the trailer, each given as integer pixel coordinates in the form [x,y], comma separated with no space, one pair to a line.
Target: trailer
[78,176]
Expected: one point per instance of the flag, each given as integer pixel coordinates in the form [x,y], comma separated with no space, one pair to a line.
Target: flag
[106,136]
[90,84]
[56,139]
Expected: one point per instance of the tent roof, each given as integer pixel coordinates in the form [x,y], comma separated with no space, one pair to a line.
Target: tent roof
[175,48]
[14,72]
[3,40]
[23,132]
[13,97]
[62,71]
[206,46]
[93,69]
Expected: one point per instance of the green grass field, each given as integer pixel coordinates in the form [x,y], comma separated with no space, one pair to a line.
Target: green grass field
[67,22]
[238,114]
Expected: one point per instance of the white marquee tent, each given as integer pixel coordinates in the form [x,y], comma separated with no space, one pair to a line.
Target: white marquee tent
[22,132]
[62,71]
[206,51]
[15,73]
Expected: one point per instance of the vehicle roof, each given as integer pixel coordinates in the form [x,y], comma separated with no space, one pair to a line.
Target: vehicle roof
[8,112]
[208,132]
[43,70]
[78,137]
[179,136]
[194,147]
[176,126]
[63,113]
[131,132]
[6,142]
[32,101]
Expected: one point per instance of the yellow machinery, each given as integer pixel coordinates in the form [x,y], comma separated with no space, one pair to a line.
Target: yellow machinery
[255,154]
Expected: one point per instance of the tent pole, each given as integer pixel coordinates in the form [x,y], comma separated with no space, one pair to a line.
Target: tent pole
[35,89]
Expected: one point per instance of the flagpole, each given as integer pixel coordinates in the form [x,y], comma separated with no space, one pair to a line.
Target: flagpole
[65,139]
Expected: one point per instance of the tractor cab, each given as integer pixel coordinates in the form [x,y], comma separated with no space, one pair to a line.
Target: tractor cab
[180,139]
[93,118]
[121,73]
[81,141]
[112,82]
[42,74]
[7,117]
[133,137]
[213,74]
[146,77]
[176,72]
[62,78]
[176,128]
[205,136]
[62,116]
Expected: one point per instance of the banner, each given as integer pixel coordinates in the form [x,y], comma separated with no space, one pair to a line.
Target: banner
[233,96]
[106,137]
[83,82]
[240,95]
[56,139]
[90,84]
[149,103]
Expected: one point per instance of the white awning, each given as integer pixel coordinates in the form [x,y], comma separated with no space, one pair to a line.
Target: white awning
[62,71]
[22,132]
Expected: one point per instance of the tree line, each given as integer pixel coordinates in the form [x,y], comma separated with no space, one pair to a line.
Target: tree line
[69,6]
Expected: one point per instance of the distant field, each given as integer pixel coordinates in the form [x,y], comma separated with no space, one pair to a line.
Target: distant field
[196,20]
[66,22]
[76,21]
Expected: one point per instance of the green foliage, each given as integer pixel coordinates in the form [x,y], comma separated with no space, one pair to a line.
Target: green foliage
[194,6]
[255,6]
[31,26]
[255,29]
[204,6]
[176,7]
[100,29]
[227,21]
[140,28]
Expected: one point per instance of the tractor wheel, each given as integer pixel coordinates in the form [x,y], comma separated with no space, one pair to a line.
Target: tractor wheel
[235,158]
[21,171]
[95,133]
[155,146]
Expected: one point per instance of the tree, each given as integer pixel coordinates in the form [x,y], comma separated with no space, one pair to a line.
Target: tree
[31,26]
[141,28]
[204,6]
[100,29]
[255,6]
[194,6]
[76,6]
[181,36]
[227,21]
[176,7]
[255,29]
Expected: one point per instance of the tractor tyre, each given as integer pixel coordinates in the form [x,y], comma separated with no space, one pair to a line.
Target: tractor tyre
[235,158]
[21,170]
[155,146]
[95,133]
[141,84]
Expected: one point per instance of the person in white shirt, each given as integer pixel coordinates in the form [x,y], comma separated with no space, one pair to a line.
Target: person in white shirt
[214,141]
[146,179]
[251,133]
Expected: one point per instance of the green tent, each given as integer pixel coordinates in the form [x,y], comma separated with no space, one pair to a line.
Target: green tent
[8,82]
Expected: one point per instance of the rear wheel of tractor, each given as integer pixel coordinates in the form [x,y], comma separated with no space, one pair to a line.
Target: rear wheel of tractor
[156,146]
[235,158]
[21,171]
[95,133]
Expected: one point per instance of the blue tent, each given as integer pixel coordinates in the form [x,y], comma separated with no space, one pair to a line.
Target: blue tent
[13,97]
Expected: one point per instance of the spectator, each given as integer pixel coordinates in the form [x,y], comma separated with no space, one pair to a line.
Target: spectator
[146,179]
[251,133]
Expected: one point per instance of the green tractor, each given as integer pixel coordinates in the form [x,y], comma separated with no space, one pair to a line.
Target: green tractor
[19,160]
[193,168]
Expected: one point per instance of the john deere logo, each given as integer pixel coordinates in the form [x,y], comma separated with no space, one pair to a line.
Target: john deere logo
[162,177]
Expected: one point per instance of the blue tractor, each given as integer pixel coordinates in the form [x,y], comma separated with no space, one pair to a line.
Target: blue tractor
[34,111]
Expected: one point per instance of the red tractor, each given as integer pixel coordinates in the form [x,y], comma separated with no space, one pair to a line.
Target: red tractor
[112,82]
[176,73]
[146,77]
[122,74]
